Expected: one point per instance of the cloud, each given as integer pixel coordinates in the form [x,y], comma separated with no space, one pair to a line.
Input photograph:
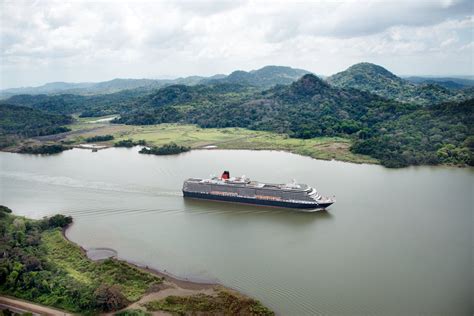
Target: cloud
[54,40]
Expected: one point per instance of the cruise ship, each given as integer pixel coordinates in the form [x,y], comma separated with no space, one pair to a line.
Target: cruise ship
[243,190]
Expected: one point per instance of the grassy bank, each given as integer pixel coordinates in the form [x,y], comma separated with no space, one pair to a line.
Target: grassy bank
[223,138]
[70,258]
[224,303]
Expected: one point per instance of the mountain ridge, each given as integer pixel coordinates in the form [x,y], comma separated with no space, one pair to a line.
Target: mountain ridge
[263,77]
[378,80]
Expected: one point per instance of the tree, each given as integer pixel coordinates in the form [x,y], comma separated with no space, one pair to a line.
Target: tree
[110,298]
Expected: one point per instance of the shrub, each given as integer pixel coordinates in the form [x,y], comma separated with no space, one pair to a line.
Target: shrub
[99,138]
[109,298]
[129,143]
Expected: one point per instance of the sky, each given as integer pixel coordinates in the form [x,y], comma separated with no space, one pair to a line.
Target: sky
[89,41]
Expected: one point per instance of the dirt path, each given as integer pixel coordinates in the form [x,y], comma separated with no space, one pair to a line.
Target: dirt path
[169,288]
[17,304]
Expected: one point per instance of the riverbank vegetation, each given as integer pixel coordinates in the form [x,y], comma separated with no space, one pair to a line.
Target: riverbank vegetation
[38,264]
[50,149]
[234,138]
[166,149]
[128,143]
[224,303]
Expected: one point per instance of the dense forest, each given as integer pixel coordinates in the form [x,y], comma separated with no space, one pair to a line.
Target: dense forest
[44,149]
[380,81]
[28,122]
[95,105]
[396,121]
[39,265]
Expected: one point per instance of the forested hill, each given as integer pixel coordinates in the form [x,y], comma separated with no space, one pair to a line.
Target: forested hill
[28,122]
[173,103]
[95,105]
[307,108]
[265,77]
[398,134]
[378,80]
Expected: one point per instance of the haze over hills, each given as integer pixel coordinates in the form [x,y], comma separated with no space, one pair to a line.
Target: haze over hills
[447,82]
[363,76]
[264,78]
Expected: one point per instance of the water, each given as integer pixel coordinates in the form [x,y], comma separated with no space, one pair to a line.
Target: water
[396,241]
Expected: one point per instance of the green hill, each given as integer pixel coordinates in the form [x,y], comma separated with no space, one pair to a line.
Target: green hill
[95,105]
[396,133]
[380,81]
[265,77]
[173,103]
[29,122]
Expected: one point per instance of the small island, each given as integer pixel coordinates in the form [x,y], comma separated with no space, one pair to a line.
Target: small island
[167,149]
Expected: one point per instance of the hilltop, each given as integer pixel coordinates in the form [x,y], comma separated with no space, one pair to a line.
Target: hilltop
[378,80]
[265,77]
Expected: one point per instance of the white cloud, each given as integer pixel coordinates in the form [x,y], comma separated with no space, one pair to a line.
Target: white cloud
[54,40]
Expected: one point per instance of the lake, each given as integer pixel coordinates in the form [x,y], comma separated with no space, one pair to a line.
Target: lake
[397,241]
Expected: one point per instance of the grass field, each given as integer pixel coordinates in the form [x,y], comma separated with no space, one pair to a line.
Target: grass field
[223,138]
[70,258]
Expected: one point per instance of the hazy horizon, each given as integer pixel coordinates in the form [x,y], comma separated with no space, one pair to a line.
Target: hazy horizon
[471,77]
[56,41]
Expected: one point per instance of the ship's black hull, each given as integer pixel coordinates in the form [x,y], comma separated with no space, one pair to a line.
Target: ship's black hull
[238,199]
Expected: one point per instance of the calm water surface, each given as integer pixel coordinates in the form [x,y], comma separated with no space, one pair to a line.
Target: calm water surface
[395,242]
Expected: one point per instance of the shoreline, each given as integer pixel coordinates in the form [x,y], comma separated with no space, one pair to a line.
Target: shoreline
[172,284]
[149,291]
[173,279]
[15,150]
[321,148]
